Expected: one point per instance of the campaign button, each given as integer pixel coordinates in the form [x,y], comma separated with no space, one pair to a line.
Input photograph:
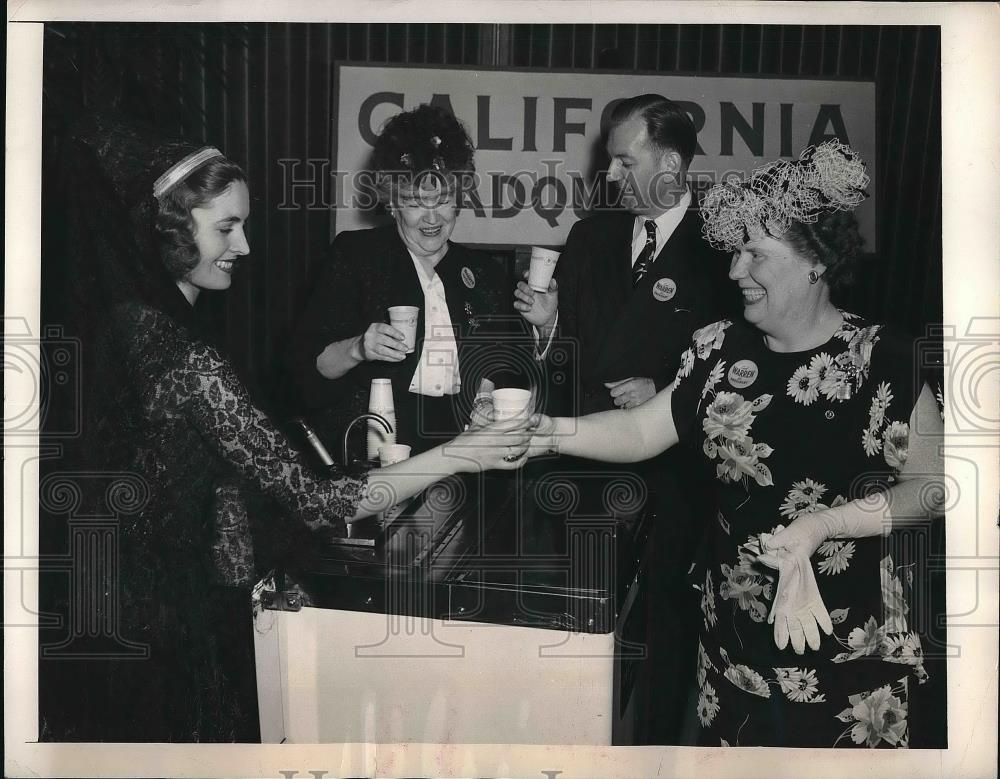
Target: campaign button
[468,278]
[664,289]
[743,373]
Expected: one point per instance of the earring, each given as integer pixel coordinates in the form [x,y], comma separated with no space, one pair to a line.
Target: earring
[813,277]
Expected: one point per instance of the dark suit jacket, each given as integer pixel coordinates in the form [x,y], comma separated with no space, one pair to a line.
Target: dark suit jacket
[620,331]
[367,271]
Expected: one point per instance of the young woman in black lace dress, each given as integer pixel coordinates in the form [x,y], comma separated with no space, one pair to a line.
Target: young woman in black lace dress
[152,224]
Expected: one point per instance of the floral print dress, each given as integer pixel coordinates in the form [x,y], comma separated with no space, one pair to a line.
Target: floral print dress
[786,434]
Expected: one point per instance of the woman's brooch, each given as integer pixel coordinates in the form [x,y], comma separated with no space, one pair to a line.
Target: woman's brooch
[470,319]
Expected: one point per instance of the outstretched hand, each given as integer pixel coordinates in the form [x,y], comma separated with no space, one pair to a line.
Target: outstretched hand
[482,414]
[543,438]
[495,445]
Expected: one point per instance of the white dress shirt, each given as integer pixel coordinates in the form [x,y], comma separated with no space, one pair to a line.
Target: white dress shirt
[437,369]
[666,223]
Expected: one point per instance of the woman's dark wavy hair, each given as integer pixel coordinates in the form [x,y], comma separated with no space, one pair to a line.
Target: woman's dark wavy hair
[174,223]
[834,240]
[405,150]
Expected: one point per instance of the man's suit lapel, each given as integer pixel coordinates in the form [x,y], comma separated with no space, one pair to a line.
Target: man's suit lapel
[617,248]
[614,288]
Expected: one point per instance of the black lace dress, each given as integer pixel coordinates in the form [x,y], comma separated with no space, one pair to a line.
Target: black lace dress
[203,453]
[182,489]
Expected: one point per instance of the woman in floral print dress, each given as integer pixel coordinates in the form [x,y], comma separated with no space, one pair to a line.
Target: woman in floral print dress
[820,438]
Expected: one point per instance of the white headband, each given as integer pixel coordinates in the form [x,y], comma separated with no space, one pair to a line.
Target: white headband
[182,170]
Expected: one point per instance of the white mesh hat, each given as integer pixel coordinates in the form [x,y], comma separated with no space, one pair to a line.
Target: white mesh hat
[828,177]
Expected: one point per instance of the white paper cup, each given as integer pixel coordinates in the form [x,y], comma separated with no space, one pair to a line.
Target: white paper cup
[393,453]
[404,319]
[543,263]
[509,403]
[380,396]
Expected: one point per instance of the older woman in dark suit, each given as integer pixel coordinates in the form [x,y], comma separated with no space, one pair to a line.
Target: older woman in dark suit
[421,161]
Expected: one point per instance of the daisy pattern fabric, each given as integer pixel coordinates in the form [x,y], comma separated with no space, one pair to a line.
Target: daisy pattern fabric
[785,434]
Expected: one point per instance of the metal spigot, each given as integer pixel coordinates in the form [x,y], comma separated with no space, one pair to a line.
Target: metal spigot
[377,417]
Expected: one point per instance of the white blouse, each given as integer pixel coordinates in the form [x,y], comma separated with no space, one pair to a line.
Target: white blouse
[437,369]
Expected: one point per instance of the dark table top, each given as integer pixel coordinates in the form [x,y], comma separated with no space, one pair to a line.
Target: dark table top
[554,545]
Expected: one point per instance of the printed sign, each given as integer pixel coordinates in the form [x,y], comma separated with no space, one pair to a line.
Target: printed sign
[539,155]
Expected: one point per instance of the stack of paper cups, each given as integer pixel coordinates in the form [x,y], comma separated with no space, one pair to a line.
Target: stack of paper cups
[380,402]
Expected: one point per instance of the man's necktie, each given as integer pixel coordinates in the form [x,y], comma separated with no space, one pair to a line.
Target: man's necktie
[646,255]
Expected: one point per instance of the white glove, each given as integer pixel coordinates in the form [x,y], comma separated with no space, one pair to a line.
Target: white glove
[798,610]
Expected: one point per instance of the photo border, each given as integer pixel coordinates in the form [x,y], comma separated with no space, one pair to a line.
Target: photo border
[971,246]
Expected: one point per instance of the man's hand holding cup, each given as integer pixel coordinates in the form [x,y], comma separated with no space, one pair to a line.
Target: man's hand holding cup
[537,296]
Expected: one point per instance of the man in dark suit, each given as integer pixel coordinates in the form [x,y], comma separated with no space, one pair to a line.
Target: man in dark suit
[630,288]
[632,285]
